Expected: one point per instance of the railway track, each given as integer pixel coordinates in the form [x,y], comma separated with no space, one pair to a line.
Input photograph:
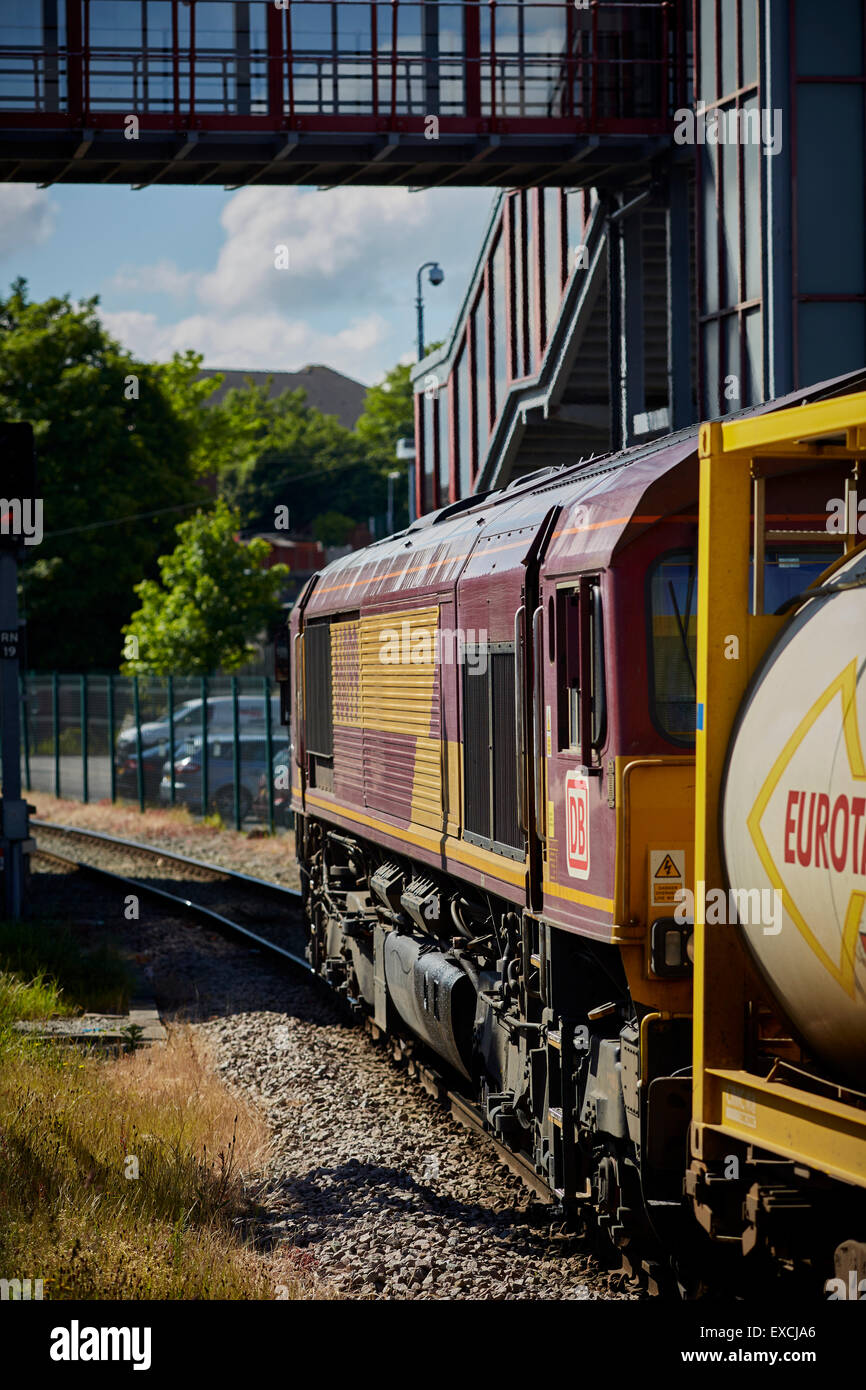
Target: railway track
[213,873]
[404,1049]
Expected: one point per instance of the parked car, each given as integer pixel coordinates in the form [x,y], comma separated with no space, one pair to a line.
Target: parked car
[187,722]
[220,771]
[281,776]
[126,770]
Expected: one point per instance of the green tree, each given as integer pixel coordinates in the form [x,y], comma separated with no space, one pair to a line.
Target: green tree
[308,462]
[213,596]
[223,434]
[389,415]
[114,467]
[332,528]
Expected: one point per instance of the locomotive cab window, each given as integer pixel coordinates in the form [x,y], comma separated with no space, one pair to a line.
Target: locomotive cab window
[582,711]
[672,618]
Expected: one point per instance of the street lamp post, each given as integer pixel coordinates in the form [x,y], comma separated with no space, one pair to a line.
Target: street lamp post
[391,476]
[436,276]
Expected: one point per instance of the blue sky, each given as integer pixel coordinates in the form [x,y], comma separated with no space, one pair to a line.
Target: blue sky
[180,268]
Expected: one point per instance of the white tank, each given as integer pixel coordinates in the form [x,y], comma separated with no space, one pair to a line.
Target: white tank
[794,821]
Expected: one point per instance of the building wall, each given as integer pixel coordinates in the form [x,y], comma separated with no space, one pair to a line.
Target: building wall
[782,280]
[529,254]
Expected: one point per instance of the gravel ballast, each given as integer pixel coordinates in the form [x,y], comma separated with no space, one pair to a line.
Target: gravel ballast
[369,1182]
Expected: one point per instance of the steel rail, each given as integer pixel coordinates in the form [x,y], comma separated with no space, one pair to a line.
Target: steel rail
[263,884]
[206,914]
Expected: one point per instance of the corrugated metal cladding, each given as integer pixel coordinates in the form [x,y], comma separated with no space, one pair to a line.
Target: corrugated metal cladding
[348,734]
[400,714]
[476,751]
[506,830]
[386,713]
[317,701]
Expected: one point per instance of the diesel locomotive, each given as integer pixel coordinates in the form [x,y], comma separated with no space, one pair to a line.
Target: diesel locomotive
[580,805]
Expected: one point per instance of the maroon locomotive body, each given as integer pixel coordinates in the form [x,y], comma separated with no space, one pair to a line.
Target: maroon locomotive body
[493,780]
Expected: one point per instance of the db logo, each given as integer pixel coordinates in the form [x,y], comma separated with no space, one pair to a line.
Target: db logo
[577,824]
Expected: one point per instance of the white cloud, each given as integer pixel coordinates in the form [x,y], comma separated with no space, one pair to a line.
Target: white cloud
[27,216]
[347,297]
[162,278]
[265,341]
[343,239]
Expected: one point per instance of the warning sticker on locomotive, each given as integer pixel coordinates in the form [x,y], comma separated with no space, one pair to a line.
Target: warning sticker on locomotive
[667,876]
[577,824]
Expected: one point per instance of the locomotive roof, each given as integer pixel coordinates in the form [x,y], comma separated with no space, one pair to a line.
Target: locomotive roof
[599,502]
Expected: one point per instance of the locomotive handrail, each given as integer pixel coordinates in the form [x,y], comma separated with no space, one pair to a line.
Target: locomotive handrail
[302,714]
[519,686]
[537,725]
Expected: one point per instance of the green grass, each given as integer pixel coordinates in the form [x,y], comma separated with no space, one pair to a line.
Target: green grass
[29,999]
[53,960]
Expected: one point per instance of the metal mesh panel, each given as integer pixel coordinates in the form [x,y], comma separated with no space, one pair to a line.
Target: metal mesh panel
[506,830]
[318,702]
[80,739]
[476,750]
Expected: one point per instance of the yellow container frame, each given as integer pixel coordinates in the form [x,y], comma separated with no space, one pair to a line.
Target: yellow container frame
[729,1101]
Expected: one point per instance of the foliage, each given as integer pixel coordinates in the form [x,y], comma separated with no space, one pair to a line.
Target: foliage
[308,462]
[112,443]
[21,998]
[212,597]
[332,528]
[388,415]
[123,447]
[222,434]
[96,978]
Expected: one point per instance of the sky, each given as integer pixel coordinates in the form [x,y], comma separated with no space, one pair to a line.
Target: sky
[178,268]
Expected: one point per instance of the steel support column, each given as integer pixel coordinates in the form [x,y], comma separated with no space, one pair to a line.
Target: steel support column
[625,292]
[431,59]
[243,88]
[776,242]
[680,394]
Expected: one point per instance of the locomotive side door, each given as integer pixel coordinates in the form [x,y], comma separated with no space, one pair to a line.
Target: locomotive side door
[572,713]
[529,649]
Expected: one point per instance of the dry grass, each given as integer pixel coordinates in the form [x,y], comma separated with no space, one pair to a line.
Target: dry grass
[178,1080]
[74,1131]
